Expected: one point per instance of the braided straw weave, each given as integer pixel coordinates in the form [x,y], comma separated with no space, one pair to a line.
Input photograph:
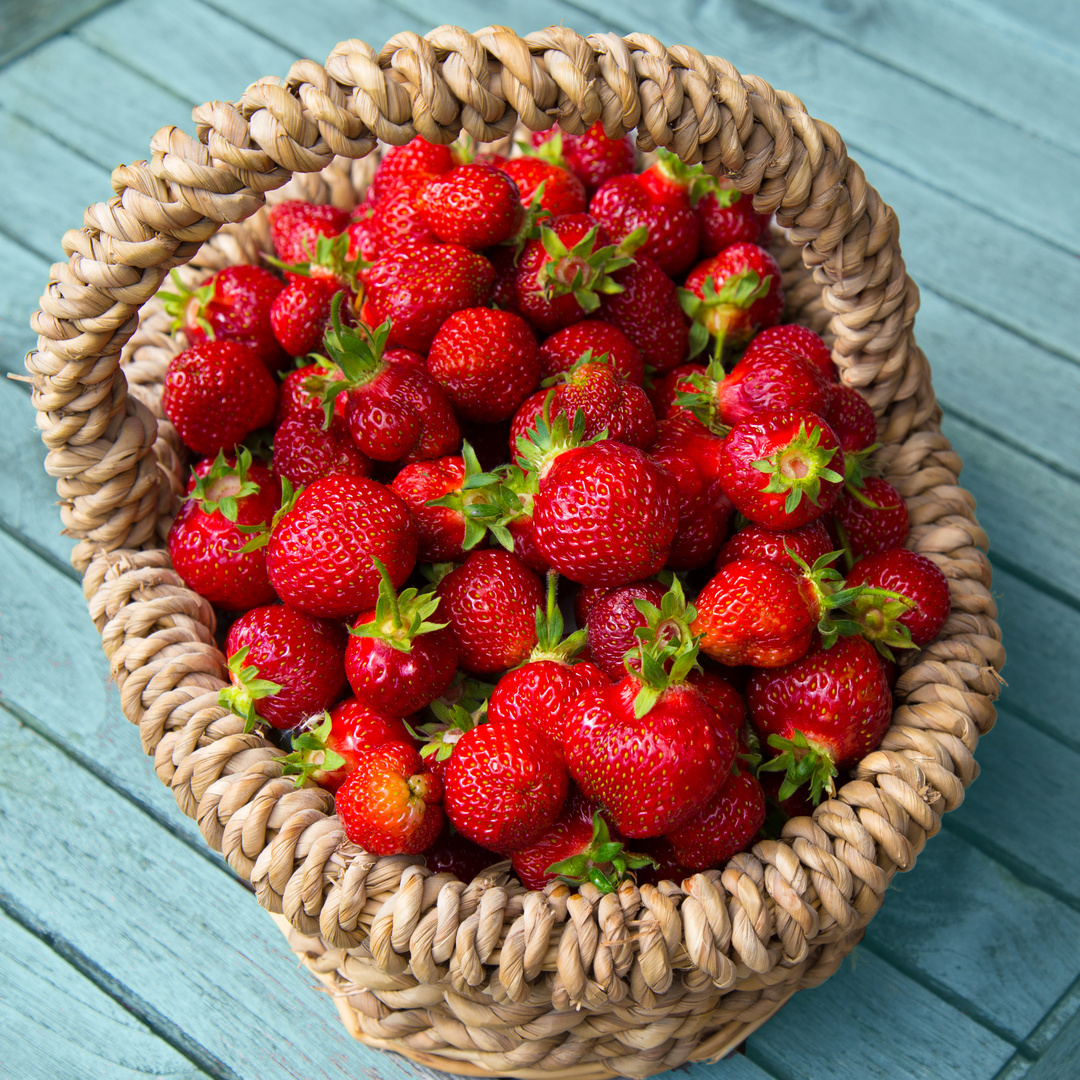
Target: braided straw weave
[485,977]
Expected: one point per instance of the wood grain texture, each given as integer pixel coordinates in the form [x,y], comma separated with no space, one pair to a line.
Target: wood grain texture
[24,26]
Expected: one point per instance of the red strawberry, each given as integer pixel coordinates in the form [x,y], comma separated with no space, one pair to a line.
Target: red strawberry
[419,288]
[234,304]
[486,361]
[396,660]
[505,785]
[305,451]
[918,579]
[799,340]
[490,602]
[824,712]
[726,825]
[648,312]
[399,220]
[563,349]
[294,396]
[612,621]
[320,550]
[721,694]
[592,157]
[664,391]
[731,295]
[850,416]
[727,217]
[563,192]
[300,661]
[442,528]
[327,750]
[809,542]
[417,157]
[475,205]
[300,315]
[204,541]
[870,517]
[782,468]
[296,225]
[389,804]
[216,394]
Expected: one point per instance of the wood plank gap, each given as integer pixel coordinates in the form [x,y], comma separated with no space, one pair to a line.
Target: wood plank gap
[1057,1018]
[49,32]
[160,1025]
[770,1067]
[41,552]
[164,820]
[998,20]
[1016,1068]
[883,61]
[1021,712]
[53,138]
[1036,581]
[121,61]
[969,1008]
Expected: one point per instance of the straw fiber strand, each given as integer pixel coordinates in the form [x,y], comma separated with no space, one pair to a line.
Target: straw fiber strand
[485,977]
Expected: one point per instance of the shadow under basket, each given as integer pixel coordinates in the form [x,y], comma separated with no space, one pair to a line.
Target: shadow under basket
[485,977]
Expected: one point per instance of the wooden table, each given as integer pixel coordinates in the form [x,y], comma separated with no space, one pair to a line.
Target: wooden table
[128,949]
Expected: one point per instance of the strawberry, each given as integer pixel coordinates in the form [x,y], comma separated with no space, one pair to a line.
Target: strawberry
[216,394]
[592,157]
[442,528]
[540,689]
[418,157]
[486,361]
[475,205]
[389,804]
[396,660]
[721,694]
[727,824]
[327,749]
[300,661]
[563,349]
[731,295]
[782,468]
[505,785]
[320,551]
[399,220]
[235,304]
[850,416]
[726,217]
[295,227]
[797,339]
[664,390]
[562,191]
[300,315]
[625,203]
[453,854]
[648,312]
[490,602]
[418,288]
[922,584]
[809,542]
[869,517]
[613,619]
[306,451]
[204,540]
[294,396]
[824,712]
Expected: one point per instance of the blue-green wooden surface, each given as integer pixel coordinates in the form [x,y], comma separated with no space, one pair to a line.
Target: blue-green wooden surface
[128,949]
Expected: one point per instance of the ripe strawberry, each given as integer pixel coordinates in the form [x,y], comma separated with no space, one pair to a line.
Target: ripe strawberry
[300,315]
[418,288]
[204,541]
[726,217]
[613,619]
[398,219]
[823,712]
[442,528]
[592,157]
[797,339]
[918,579]
[216,394]
[486,361]
[490,602]
[731,295]
[809,542]
[563,349]
[234,304]
[296,225]
[396,660]
[782,468]
[418,157]
[326,750]
[389,804]
[475,205]
[850,416]
[648,312]
[562,192]
[305,451]
[624,204]
[320,550]
[505,785]
[726,825]
[300,661]
[664,390]
[721,694]
[870,517]
[294,396]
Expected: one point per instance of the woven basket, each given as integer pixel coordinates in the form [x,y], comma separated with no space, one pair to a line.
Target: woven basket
[485,977]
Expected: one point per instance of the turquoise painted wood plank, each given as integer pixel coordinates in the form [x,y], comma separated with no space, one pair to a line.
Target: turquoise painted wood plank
[68,1026]
[1048,21]
[979,956]
[25,277]
[178,936]
[25,26]
[1059,1061]
[869,1020]
[90,101]
[1023,808]
[939,44]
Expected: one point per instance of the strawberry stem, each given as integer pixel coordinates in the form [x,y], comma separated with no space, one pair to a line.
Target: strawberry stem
[602,852]
[667,651]
[802,762]
[311,754]
[399,618]
[799,468]
[240,697]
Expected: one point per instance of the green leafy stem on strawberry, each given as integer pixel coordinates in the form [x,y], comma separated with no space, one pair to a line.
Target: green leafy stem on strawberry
[223,485]
[399,617]
[550,643]
[667,652]
[310,753]
[260,534]
[799,468]
[247,689]
[585,270]
[331,254]
[603,862]
[713,309]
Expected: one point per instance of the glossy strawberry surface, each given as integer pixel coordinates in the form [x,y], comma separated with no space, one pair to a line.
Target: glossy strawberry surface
[798,339]
[727,824]
[870,518]
[612,619]
[452,853]
[809,542]
[476,205]
[300,315]
[773,378]
[442,528]
[570,834]
[728,218]
[850,416]
[319,554]
[563,192]
[305,451]
[417,158]
[563,349]
[591,156]
[354,729]
[916,577]
[296,225]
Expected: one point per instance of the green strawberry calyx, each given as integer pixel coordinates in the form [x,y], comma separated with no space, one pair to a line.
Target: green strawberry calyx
[530,228]
[603,862]
[858,466]
[587,358]
[694,178]
[585,270]
[667,650]
[332,255]
[188,306]
[550,643]
[399,617]
[717,310]
[246,689]
[260,534]
[548,438]
[550,151]
[702,401]
[798,468]
[802,762]
[224,485]
[311,757]
[443,733]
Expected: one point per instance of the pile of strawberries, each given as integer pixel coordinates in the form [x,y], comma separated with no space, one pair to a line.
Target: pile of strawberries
[496,381]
